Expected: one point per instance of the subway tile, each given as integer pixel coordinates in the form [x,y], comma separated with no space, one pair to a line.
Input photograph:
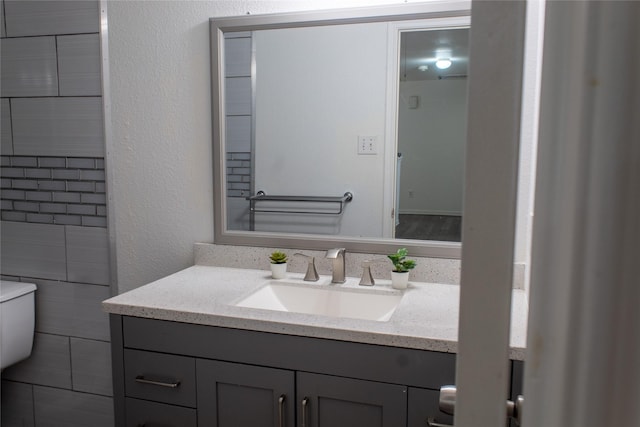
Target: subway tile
[81,163]
[61,197]
[57,208]
[17,404]
[49,363]
[12,172]
[100,163]
[6,183]
[37,173]
[98,199]
[65,174]
[14,216]
[91,366]
[13,194]
[40,196]
[40,218]
[72,309]
[101,187]
[94,221]
[95,175]
[101,210]
[56,407]
[33,250]
[20,161]
[29,67]
[52,185]
[57,126]
[5,160]
[24,184]
[81,209]
[6,205]
[6,139]
[67,219]
[79,65]
[33,18]
[87,254]
[26,206]
[86,186]
[52,162]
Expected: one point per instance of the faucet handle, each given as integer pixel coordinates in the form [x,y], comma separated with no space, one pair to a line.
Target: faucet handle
[312,273]
[367,277]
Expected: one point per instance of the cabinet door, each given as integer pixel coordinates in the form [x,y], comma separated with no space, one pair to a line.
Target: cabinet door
[152,414]
[326,401]
[237,395]
[424,406]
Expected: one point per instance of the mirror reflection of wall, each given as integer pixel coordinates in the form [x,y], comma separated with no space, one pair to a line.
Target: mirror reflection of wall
[297,101]
[432,118]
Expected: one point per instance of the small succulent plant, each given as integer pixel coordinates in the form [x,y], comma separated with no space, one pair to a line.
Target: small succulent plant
[400,263]
[278,257]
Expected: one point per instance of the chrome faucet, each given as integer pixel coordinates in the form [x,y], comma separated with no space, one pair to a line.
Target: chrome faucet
[337,255]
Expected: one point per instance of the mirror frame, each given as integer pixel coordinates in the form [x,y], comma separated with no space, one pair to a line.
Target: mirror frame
[219,26]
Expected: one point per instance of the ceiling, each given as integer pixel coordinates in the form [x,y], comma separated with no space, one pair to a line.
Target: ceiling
[423,47]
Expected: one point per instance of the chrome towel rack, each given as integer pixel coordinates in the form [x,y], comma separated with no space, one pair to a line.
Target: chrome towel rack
[261,196]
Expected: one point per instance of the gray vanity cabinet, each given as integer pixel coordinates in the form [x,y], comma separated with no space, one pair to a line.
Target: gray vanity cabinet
[423,408]
[185,375]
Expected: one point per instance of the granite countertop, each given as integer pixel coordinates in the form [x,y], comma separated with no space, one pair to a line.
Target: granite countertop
[426,318]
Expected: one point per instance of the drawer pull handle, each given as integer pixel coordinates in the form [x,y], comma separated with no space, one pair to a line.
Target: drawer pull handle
[143,380]
[305,411]
[281,400]
[431,422]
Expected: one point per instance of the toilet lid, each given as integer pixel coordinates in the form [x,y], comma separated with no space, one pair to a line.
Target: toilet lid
[10,290]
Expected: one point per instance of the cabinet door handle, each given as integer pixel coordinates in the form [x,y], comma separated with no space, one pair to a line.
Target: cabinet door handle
[281,400]
[143,380]
[431,422]
[305,412]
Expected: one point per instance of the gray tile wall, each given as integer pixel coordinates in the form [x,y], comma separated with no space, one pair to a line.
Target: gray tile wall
[53,190]
[54,203]
[238,92]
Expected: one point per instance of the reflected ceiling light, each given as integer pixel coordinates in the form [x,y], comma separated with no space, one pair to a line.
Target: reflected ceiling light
[443,63]
[423,67]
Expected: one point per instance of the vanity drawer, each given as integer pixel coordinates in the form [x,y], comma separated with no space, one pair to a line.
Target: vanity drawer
[160,377]
[150,414]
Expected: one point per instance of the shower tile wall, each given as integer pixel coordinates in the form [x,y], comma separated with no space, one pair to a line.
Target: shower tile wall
[54,210]
[238,97]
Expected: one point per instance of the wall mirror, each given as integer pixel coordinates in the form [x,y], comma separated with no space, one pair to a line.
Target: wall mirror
[342,128]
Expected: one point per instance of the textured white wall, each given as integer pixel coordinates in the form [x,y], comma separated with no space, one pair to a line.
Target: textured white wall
[159,150]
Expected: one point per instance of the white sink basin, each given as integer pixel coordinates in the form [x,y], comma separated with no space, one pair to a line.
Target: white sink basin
[323,300]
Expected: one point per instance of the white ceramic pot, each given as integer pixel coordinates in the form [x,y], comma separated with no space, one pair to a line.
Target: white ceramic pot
[399,280]
[278,271]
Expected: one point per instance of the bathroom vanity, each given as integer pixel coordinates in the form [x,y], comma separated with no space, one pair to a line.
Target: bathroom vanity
[185,354]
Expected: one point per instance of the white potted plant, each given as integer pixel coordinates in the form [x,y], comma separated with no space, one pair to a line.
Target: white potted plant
[278,264]
[401,267]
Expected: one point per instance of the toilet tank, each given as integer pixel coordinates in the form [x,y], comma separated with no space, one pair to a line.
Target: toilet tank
[17,321]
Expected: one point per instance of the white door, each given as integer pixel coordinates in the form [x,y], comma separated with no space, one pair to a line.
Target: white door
[583,345]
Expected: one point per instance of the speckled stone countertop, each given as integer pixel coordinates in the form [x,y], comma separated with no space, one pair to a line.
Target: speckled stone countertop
[426,318]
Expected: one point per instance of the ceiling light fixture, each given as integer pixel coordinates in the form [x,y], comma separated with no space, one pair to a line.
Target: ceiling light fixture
[443,63]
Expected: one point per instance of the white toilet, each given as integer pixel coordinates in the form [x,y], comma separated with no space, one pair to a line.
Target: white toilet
[17,321]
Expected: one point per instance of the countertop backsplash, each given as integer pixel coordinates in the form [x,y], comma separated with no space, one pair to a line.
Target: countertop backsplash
[430,270]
